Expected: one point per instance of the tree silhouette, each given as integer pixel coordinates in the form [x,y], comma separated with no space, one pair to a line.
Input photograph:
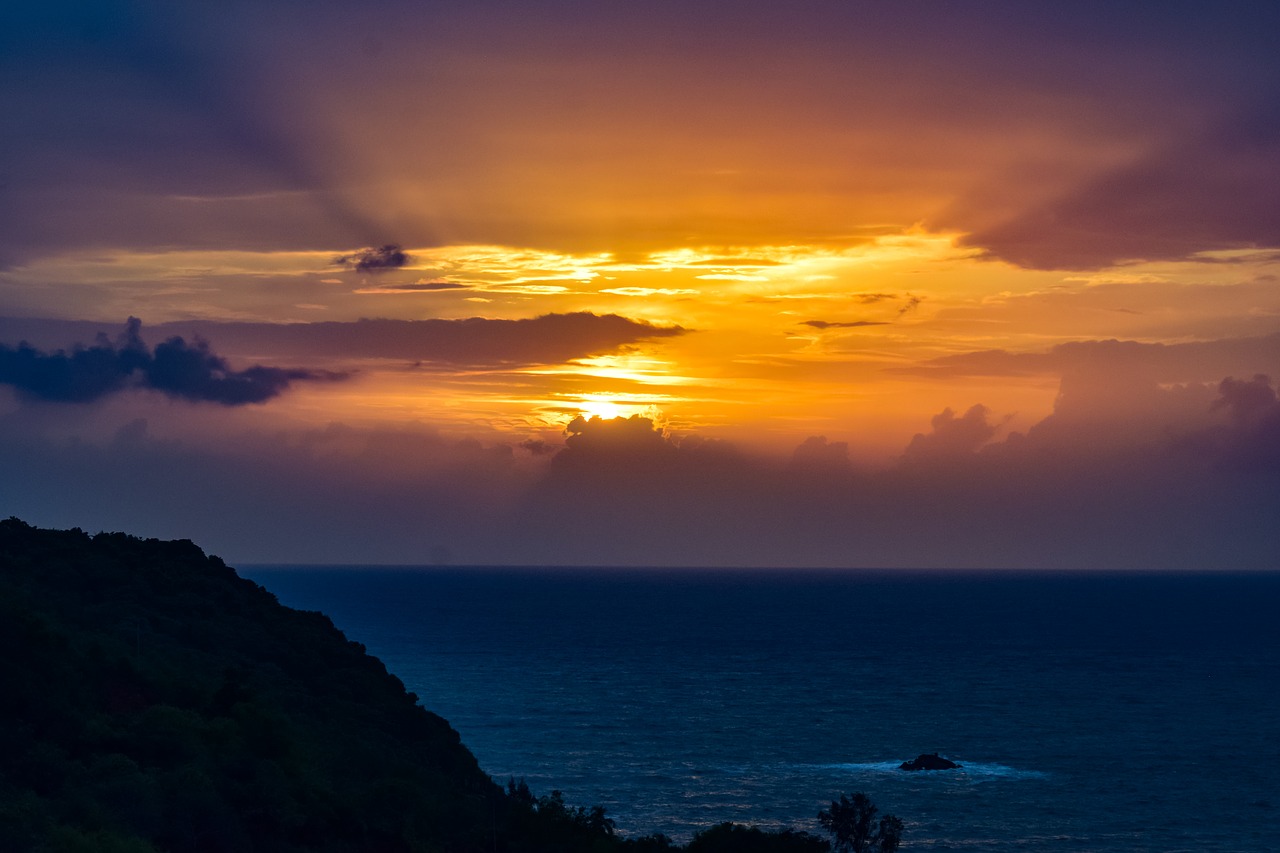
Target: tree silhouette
[852,823]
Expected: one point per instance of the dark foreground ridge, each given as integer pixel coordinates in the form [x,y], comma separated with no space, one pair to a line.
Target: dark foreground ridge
[153,701]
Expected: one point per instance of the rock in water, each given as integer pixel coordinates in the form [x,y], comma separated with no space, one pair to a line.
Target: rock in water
[928,762]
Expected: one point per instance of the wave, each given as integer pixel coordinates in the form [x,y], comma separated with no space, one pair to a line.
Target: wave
[970,770]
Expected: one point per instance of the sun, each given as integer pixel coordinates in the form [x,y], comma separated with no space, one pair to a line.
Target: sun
[604,406]
[607,406]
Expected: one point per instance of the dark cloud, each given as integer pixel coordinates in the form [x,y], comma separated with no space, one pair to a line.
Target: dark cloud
[478,341]
[662,499]
[1248,402]
[1220,190]
[827,324]
[815,453]
[996,362]
[83,375]
[1195,361]
[175,368]
[952,437]
[1268,256]
[636,451]
[380,259]
[192,372]
[911,303]
[601,436]
[537,447]
[1249,443]
[547,339]
[422,287]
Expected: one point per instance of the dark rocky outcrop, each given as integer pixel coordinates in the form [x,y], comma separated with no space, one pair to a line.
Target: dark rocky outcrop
[931,761]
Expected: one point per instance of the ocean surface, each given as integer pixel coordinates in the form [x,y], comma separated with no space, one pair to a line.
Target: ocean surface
[1090,711]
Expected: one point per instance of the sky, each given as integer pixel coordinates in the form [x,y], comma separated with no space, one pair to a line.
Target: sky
[886,284]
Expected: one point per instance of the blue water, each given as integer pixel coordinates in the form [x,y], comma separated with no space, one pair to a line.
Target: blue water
[1091,712]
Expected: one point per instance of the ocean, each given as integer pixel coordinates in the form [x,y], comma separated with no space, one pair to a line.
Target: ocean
[1090,711]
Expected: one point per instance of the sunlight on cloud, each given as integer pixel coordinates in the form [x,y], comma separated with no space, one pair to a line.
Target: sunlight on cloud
[531,289]
[792,271]
[606,405]
[631,367]
[112,265]
[1093,279]
[779,335]
[512,265]
[651,291]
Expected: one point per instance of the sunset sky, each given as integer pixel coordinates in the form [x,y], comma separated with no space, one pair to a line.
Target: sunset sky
[649,283]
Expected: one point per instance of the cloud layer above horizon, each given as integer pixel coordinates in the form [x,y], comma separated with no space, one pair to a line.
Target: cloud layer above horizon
[1078,490]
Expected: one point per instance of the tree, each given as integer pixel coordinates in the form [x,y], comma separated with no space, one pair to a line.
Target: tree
[852,823]
[734,838]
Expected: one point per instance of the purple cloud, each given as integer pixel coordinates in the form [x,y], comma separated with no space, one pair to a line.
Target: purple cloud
[379,259]
[175,368]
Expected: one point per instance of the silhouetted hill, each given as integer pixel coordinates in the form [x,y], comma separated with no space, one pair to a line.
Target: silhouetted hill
[153,700]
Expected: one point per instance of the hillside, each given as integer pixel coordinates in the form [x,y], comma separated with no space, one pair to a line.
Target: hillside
[153,699]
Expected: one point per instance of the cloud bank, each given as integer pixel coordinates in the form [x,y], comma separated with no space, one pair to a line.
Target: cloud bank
[1080,489]
[1196,361]
[855,324]
[477,341]
[174,368]
[1143,463]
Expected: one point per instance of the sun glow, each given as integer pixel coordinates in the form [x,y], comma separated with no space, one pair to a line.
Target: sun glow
[630,367]
[608,406]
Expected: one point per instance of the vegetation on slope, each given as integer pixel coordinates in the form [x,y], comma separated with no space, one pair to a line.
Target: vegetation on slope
[161,698]
[153,700]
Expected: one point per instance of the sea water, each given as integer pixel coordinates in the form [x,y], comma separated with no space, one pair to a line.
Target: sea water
[1090,711]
